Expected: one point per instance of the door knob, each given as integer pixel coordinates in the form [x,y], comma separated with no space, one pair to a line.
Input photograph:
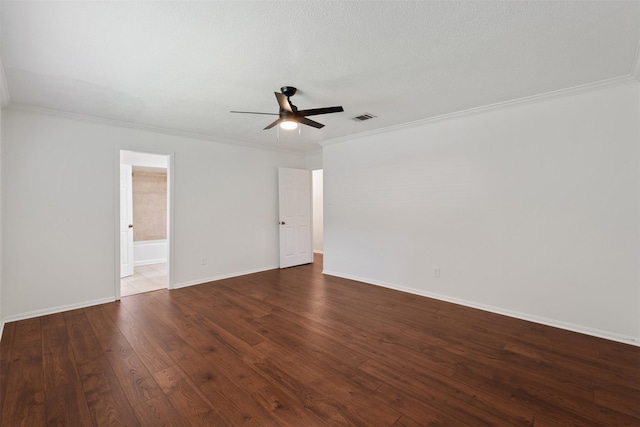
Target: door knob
[130,225]
[281,222]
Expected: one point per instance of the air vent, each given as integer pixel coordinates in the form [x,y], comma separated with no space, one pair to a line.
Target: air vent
[363,117]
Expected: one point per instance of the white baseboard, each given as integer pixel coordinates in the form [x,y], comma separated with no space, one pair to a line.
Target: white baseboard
[149,262]
[62,308]
[318,252]
[635,341]
[224,276]
[54,310]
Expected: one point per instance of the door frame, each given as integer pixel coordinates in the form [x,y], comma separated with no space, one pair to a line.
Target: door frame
[170,214]
[313,208]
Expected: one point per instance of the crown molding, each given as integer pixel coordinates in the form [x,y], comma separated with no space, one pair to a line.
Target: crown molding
[616,81]
[5,99]
[156,129]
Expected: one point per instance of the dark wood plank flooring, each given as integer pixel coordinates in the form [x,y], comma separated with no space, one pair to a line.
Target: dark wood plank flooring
[296,348]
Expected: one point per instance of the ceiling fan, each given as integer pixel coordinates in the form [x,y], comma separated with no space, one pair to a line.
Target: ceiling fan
[289,114]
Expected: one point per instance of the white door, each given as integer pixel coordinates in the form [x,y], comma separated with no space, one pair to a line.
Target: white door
[126,221]
[295,217]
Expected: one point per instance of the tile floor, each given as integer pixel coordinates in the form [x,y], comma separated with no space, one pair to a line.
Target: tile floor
[145,278]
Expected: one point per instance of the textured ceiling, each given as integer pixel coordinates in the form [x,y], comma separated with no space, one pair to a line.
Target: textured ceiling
[183,66]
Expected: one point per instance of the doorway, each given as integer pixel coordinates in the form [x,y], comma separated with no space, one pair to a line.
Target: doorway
[144,222]
[318,218]
[300,211]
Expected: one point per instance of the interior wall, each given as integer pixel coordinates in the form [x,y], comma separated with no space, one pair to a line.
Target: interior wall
[59,209]
[1,221]
[4,100]
[531,210]
[318,231]
[148,160]
[313,160]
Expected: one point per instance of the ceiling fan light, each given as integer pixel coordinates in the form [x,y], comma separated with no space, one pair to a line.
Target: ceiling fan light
[289,124]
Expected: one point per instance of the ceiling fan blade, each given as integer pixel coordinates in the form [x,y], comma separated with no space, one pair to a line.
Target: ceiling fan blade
[273,124]
[284,102]
[309,122]
[253,112]
[316,111]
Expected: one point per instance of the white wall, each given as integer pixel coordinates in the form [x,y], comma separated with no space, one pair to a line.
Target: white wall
[532,210]
[135,158]
[1,221]
[59,209]
[4,100]
[317,211]
[313,160]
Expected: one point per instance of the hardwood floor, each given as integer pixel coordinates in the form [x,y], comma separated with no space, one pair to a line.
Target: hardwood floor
[296,348]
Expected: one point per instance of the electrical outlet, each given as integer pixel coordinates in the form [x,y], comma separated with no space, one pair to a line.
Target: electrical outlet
[436,271]
[204,261]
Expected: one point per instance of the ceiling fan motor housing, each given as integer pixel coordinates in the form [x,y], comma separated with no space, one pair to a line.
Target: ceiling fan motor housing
[288,90]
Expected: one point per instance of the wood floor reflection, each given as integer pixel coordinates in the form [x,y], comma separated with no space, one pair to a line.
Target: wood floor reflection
[296,348]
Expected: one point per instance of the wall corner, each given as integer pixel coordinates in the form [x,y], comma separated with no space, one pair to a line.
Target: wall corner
[635,68]
[5,99]
[313,160]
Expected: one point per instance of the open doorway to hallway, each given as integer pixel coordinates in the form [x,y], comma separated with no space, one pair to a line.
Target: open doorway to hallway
[318,219]
[144,237]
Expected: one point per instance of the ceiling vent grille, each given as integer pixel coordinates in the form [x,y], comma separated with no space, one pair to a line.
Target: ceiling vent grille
[363,117]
